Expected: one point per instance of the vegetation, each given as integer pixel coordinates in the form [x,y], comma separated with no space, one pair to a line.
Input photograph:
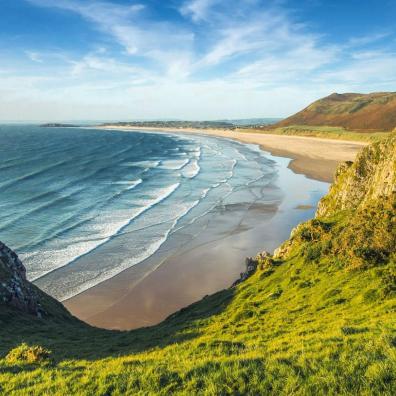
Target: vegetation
[175,124]
[327,132]
[58,125]
[215,124]
[28,354]
[361,112]
[317,318]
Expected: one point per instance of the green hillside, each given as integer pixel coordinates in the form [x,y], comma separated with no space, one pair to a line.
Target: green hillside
[319,317]
[352,111]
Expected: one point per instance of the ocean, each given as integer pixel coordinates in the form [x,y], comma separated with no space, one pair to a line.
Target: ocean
[80,206]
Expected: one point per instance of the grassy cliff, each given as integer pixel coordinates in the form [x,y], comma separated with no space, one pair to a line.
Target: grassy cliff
[317,318]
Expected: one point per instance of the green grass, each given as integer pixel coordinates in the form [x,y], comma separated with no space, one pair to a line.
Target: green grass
[319,318]
[328,331]
[327,132]
[304,325]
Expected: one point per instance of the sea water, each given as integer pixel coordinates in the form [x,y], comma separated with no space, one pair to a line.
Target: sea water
[80,206]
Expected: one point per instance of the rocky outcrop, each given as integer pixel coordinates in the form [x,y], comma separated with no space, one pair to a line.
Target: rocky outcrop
[371,177]
[251,266]
[262,260]
[364,196]
[15,290]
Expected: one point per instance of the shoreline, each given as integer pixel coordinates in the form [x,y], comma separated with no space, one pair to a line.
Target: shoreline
[150,291]
[316,158]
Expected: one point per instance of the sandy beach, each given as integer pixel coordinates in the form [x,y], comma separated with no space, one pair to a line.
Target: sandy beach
[316,158]
[147,293]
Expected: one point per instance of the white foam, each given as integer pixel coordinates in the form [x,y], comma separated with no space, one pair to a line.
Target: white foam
[104,228]
[205,193]
[142,164]
[197,153]
[174,164]
[191,170]
[110,272]
[129,183]
[134,184]
[231,171]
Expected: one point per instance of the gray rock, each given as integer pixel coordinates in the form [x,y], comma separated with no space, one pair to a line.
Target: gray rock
[15,290]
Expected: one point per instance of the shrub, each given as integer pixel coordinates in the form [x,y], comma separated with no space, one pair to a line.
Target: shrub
[371,255]
[389,279]
[305,284]
[28,354]
[277,293]
[313,252]
[354,330]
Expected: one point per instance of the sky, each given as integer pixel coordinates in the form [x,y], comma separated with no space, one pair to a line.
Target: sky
[188,59]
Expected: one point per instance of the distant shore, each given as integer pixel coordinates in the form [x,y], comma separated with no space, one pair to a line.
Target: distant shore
[316,158]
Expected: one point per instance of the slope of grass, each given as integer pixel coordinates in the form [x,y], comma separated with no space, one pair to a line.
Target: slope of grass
[326,132]
[319,318]
[364,112]
[305,327]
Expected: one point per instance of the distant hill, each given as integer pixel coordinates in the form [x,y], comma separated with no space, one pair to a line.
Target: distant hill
[248,122]
[58,125]
[352,111]
[179,124]
[174,124]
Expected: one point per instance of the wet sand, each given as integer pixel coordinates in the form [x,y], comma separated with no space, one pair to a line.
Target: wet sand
[173,278]
[150,291]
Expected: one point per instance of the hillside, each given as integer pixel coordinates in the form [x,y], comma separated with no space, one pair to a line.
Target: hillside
[351,111]
[318,317]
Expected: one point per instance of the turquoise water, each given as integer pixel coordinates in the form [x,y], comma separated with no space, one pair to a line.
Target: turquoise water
[69,196]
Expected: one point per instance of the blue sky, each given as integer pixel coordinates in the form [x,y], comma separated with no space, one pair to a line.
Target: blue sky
[192,59]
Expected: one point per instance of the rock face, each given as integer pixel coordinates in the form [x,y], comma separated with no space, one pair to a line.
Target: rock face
[364,192]
[251,266]
[15,290]
[371,177]
[262,260]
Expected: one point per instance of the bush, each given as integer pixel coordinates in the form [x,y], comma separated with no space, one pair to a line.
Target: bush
[389,279]
[277,293]
[374,256]
[313,252]
[28,354]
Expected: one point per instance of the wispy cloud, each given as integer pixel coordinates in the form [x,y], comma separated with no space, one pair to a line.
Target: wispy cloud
[127,24]
[200,59]
[368,39]
[34,56]
[198,10]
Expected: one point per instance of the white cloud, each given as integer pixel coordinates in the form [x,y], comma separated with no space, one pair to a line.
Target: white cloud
[235,60]
[367,39]
[368,70]
[156,40]
[198,10]
[34,56]
[95,61]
